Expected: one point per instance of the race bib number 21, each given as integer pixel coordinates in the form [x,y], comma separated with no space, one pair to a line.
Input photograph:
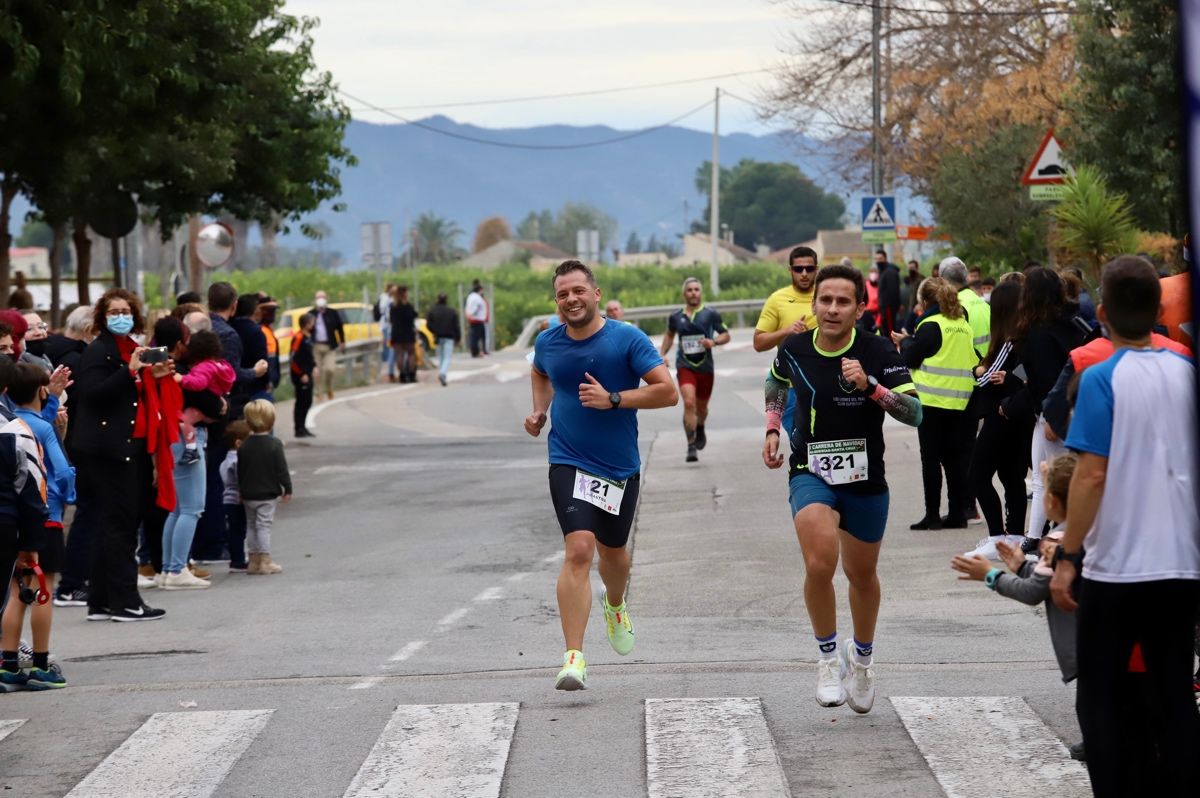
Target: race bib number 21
[839,462]
[598,491]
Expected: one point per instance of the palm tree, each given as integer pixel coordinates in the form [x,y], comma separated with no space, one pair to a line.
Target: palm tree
[1094,223]
[434,239]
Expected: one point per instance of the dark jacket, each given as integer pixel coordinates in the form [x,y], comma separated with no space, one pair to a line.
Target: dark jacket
[302,360]
[262,469]
[404,319]
[254,349]
[1045,350]
[106,402]
[889,286]
[23,512]
[333,325]
[442,321]
[231,346]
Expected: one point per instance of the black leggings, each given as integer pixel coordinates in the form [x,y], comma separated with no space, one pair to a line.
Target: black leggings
[1003,447]
[1141,730]
[945,437]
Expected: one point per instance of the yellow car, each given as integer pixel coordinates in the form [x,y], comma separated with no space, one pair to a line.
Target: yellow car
[358,322]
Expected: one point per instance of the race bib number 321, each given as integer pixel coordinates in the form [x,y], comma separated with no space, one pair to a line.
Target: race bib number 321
[598,491]
[839,462]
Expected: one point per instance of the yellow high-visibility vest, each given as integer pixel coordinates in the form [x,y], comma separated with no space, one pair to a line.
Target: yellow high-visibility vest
[979,313]
[946,379]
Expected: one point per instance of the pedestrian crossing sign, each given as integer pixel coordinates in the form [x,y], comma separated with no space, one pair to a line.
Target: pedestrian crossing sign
[878,213]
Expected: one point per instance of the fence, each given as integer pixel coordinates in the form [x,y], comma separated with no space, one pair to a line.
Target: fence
[728,307]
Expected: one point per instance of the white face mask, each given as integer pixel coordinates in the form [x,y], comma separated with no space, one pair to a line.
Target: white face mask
[322,302]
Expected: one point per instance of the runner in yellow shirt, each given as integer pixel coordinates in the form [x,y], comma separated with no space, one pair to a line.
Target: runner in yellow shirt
[789,310]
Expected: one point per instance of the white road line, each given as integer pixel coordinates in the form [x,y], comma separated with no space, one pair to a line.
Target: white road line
[311,418]
[711,748]
[957,735]
[410,648]
[175,755]
[366,683]
[518,577]
[490,594]
[553,558]
[7,727]
[451,618]
[439,750]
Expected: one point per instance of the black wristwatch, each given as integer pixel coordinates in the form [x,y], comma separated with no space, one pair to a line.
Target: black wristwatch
[1060,553]
[872,384]
[615,398]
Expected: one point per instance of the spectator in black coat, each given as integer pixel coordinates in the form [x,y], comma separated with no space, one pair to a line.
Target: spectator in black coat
[442,321]
[403,318]
[889,293]
[254,345]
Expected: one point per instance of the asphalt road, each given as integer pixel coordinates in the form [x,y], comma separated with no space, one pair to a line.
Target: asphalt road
[410,646]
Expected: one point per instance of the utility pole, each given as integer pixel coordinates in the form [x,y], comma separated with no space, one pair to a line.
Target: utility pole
[876,109]
[714,217]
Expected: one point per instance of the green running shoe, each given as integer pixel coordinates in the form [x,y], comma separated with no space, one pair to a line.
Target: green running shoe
[620,627]
[573,675]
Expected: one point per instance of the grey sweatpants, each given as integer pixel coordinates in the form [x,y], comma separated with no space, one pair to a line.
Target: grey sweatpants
[260,516]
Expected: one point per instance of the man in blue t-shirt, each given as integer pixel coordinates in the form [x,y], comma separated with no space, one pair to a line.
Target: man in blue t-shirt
[592,368]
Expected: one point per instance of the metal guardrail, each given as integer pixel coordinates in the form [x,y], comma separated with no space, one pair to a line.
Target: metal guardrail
[362,355]
[727,307]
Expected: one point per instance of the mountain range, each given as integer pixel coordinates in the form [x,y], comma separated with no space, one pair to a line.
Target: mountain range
[406,169]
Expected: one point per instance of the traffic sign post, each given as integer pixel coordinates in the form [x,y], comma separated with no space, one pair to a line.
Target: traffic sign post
[1048,171]
[878,219]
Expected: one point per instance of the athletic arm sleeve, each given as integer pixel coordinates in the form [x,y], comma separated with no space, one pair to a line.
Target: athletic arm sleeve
[775,390]
[1092,425]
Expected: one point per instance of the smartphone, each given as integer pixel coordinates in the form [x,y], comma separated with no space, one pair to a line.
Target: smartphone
[155,354]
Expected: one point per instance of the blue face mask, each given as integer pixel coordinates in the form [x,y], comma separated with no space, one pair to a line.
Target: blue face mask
[119,325]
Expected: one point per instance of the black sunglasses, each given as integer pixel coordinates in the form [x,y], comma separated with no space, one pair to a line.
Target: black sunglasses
[804,269]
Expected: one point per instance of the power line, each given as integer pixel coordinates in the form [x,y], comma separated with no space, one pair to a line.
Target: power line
[964,12]
[565,95]
[510,145]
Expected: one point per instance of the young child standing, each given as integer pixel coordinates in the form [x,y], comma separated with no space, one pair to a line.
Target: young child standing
[231,497]
[263,479]
[304,374]
[29,388]
[1030,582]
[207,371]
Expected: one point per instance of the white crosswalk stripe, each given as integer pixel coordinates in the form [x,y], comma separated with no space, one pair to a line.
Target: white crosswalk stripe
[711,748]
[7,727]
[175,755]
[694,748]
[968,740]
[439,750]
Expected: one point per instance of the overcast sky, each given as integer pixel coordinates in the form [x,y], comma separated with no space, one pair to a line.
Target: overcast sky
[435,52]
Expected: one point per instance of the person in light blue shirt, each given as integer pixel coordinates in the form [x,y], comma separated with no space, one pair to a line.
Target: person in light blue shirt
[592,369]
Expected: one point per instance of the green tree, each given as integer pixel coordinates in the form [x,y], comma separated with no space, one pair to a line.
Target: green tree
[1095,224]
[770,203]
[1126,110]
[633,244]
[35,233]
[575,216]
[434,239]
[979,201]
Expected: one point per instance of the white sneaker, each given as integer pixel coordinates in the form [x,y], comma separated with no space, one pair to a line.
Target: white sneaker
[146,582]
[858,680]
[987,546]
[184,580]
[160,578]
[830,692]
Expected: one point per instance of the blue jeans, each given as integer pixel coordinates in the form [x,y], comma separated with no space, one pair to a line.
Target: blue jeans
[445,349]
[190,484]
[387,354]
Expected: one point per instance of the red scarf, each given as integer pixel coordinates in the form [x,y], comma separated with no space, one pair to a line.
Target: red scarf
[159,405]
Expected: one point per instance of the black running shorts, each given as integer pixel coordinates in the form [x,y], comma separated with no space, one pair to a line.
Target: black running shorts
[577,515]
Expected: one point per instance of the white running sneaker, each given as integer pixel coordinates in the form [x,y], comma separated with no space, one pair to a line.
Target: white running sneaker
[987,547]
[830,692]
[146,582]
[858,681]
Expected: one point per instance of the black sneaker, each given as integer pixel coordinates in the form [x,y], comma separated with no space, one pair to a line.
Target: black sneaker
[953,523]
[691,455]
[927,523]
[98,614]
[142,613]
[71,598]
[1030,545]
[189,456]
[1077,752]
[701,438]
